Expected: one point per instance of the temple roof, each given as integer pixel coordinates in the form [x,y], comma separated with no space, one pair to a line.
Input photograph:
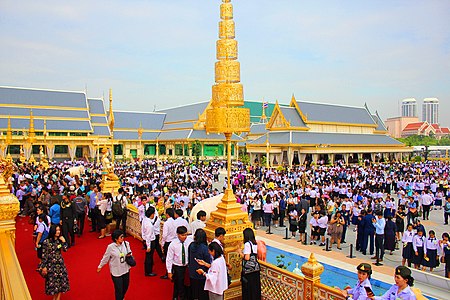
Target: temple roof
[333,113]
[148,120]
[331,139]
[38,97]
[186,112]
[292,116]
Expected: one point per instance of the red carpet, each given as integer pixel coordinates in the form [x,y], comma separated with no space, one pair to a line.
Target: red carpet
[82,261]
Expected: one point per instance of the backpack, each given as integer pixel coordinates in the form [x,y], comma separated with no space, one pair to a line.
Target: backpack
[117,207]
[44,235]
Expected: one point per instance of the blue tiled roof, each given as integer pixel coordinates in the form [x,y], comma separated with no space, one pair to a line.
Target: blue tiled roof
[35,97]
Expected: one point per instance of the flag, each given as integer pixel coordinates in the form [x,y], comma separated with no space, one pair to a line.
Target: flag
[265,105]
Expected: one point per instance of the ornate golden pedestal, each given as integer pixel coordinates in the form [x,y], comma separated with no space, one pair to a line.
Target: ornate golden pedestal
[230,216]
[110,186]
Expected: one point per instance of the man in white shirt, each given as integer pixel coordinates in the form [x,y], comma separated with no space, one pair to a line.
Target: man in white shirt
[176,262]
[180,221]
[199,223]
[148,235]
[169,233]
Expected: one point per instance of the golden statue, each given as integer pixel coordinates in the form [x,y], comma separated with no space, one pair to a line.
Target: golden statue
[44,161]
[22,155]
[108,167]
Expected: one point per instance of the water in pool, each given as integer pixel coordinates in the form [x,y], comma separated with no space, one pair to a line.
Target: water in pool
[331,276]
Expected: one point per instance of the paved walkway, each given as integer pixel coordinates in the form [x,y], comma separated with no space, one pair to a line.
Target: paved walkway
[435,223]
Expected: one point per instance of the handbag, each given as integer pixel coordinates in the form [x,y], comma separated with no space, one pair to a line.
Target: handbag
[251,265]
[108,215]
[129,258]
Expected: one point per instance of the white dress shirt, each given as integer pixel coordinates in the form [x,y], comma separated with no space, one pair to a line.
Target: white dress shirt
[174,254]
[148,232]
[216,278]
[196,225]
[169,231]
[112,256]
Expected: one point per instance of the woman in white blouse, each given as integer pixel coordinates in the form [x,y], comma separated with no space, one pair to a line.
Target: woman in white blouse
[115,257]
[216,277]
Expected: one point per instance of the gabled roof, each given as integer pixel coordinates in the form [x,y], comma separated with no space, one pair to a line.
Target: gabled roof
[379,122]
[259,128]
[414,126]
[445,130]
[256,110]
[133,135]
[291,115]
[39,97]
[189,112]
[333,113]
[133,120]
[326,139]
[96,106]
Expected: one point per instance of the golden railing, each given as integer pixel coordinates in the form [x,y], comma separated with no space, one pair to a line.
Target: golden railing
[12,284]
[276,283]
[279,284]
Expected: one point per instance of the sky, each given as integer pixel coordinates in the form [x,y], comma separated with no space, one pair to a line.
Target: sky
[157,54]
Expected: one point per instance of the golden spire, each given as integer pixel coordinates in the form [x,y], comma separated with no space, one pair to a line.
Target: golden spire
[111,114]
[140,130]
[31,132]
[227,92]
[45,131]
[9,132]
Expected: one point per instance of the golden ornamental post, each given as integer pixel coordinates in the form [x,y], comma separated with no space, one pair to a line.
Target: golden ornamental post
[312,270]
[226,115]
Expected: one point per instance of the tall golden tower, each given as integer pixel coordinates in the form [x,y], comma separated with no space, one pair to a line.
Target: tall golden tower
[226,116]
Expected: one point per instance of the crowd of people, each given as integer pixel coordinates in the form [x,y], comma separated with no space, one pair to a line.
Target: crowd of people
[382,203]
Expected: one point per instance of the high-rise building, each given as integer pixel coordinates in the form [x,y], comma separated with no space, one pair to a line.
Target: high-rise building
[430,110]
[409,107]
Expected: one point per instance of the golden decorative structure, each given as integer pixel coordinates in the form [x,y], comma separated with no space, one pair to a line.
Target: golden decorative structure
[22,155]
[312,270]
[110,181]
[31,138]
[225,116]
[140,131]
[111,115]
[13,284]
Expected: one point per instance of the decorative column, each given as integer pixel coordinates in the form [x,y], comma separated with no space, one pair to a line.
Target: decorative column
[290,156]
[72,150]
[346,156]
[312,270]
[226,115]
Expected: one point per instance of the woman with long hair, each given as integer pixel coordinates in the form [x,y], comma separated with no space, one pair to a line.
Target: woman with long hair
[251,283]
[198,254]
[337,226]
[120,270]
[53,267]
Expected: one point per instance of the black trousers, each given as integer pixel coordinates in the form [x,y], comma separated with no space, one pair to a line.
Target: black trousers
[179,289]
[426,211]
[122,219]
[166,248]
[94,212]
[379,245]
[80,217]
[281,216]
[67,230]
[198,289]
[148,263]
[158,248]
[121,284]
[366,238]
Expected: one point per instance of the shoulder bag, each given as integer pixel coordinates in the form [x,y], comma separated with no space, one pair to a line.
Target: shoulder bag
[129,258]
[251,265]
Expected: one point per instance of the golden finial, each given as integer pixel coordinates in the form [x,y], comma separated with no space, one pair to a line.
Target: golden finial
[31,132]
[111,114]
[9,132]
[140,130]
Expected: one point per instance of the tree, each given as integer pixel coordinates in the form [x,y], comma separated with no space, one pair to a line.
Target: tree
[196,149]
